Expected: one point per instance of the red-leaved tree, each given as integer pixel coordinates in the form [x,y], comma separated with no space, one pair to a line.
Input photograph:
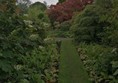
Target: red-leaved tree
[64,11]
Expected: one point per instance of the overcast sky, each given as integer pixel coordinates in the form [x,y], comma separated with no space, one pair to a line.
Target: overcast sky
[49,2]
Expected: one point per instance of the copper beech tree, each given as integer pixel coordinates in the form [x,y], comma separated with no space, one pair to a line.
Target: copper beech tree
[64,11]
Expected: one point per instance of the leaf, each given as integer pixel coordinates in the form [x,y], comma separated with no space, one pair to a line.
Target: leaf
[24,81]
[116,72]
[5,66]
[7,54]
[36,78]
[114,64]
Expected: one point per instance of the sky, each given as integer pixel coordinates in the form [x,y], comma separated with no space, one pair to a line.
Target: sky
[49,2]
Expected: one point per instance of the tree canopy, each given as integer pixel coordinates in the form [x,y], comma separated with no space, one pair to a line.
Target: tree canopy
[64,11]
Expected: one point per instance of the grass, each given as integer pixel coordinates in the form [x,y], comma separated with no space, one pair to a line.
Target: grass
[71,67]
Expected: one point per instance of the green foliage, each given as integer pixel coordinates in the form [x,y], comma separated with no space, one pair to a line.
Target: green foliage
[86,26]
[107,3]
[100,62]
[63,29]
[39,5]
[97,23]
[59,33]
[15,43]
[37,14]
[65,26]
[24,55]
[61,1]
[23,5]
[63,34]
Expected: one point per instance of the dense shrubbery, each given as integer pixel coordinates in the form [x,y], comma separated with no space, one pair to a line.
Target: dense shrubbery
[98,24]
[37,14]
[65,26]
[63,29]
[86,27]
[100,61]
[24,55]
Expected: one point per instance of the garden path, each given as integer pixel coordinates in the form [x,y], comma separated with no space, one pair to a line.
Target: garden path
[71,69]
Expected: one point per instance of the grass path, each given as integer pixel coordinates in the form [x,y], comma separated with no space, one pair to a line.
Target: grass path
[71,67]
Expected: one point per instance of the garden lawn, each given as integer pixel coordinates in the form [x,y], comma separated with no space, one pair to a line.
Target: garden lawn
[71,68]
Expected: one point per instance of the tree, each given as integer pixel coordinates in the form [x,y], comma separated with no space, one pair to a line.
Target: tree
[26,2]
[61,1]
[23,5]
[39,5]
[97,24]
[36,13]
[64,11]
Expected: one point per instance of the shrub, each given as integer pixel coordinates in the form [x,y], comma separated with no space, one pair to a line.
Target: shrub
[23,53]
[96,24]
[65,26]
[99,62]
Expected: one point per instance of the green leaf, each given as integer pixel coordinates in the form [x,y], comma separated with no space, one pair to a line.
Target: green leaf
[116,72]
[5,66]
[114,64]
[24,81]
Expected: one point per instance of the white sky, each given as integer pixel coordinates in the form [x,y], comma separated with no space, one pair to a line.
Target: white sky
[49,2]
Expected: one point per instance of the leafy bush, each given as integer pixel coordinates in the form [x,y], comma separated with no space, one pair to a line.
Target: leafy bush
[86,25]
[37,14]
[97,24]
[24,55]
[65,26]
[101,62]
[62,29]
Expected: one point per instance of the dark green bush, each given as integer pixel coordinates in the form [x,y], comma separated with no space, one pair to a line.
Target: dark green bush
[86,26]
[65,26]
[101,62]
[23,53]
[97,26]
[97,23]
[63,29]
